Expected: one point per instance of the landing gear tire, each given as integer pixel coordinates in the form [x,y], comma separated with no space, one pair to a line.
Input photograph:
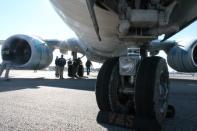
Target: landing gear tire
[152,89]
[109,94]
[102,84]
[119,101]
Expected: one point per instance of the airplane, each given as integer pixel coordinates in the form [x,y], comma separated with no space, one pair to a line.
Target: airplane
[122,34]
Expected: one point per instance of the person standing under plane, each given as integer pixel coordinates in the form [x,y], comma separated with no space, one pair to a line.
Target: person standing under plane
[80,70]
[56,67]
[61,63]
[6,64]
[88,65]
[76,63]
[70,68]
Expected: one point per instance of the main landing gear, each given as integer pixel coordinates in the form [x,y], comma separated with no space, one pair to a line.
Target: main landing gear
[142,95]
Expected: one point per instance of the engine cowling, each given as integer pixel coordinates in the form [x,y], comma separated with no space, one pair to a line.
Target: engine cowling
[27,52]
[183,59]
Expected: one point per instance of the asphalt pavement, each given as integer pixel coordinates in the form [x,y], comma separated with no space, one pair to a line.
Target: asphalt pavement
[38,101]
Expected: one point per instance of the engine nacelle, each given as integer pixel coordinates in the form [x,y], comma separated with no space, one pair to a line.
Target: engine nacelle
[27,52]
[183,59]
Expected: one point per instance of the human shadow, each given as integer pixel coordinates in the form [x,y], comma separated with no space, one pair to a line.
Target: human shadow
[34,83]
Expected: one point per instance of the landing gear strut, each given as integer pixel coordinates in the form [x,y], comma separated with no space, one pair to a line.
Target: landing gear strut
[143,95]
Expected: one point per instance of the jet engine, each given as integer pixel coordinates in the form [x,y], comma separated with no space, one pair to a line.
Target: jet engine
[183,59]
[27,52]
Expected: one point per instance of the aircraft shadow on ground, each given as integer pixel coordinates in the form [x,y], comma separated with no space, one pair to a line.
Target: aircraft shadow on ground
[103,120]
[34,83]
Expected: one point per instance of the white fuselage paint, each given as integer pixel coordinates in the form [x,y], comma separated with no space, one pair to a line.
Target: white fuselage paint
[76,15]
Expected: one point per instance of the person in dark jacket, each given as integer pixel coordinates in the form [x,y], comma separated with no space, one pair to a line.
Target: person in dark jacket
[75,67]
[56,67]
[88,65]
[7,55]
[61,63]
[80,70]
[70,68]
[5,65]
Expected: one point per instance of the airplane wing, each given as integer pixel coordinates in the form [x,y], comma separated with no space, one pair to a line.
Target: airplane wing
[28,52]
[33,53]
[182,15]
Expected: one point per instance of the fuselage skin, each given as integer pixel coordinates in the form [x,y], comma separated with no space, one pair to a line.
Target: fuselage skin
[75,14]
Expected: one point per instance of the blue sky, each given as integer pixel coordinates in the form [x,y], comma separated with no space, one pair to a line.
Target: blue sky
[37,17]
[34,17]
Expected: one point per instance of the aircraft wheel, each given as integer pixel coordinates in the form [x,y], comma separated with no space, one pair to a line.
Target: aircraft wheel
[102,84]
[152,89]
[120,95]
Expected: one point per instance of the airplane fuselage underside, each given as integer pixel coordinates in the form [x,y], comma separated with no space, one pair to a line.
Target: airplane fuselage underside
[124,24]
[75,14]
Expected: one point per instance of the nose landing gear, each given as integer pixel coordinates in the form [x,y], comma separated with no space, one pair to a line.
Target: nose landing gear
[144,99]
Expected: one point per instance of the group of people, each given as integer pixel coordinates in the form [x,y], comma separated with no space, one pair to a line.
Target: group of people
[75,67]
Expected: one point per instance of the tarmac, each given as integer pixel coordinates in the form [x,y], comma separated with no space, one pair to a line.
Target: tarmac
[38,101]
